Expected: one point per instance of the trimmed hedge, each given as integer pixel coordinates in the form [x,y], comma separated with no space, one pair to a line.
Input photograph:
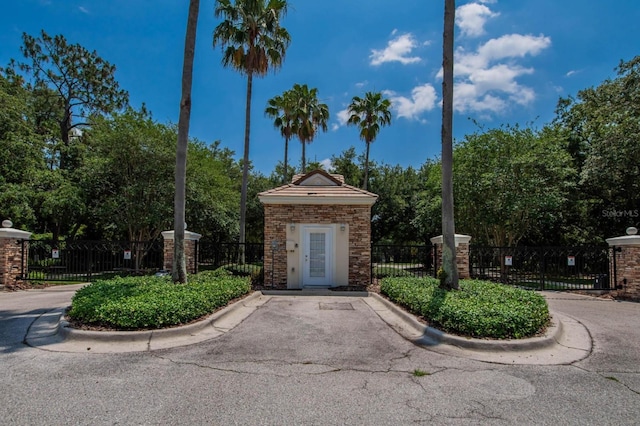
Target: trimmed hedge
[479,309]
[149,302]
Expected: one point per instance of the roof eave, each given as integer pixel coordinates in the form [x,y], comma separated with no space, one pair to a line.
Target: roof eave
[298,200]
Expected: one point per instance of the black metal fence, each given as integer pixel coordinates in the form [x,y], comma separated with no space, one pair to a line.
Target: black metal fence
[240,259]
[89,260]
[401,261]
[544,268]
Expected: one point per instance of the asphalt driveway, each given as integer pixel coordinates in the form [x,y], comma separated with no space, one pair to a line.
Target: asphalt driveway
[317,360]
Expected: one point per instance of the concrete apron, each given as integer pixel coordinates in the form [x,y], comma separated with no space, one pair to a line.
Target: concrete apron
[564,342]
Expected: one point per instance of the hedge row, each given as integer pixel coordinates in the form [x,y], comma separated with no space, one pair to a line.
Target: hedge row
[479,309]
[149,302]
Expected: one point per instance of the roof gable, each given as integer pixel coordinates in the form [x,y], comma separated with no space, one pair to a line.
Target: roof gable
[317,187]
[318,178]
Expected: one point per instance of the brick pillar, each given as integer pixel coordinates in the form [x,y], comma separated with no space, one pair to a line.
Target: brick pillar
[625,282]
[462,253]
[190,241]
[11,252]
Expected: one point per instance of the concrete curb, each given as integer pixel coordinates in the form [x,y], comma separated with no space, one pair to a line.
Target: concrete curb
[551,336]
[68,332]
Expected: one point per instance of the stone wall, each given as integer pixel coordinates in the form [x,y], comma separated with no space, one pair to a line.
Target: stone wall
[626,280]
[277,216]
[627,273]
[190,242]
[462,254]
[10,261]
[11,254]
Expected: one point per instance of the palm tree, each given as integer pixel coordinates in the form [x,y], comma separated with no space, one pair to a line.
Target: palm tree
[179,270]
[253,42]
[369,113]
[449,265]
[309,116]
[281,109]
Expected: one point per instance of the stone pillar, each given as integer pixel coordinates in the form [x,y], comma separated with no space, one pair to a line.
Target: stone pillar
[190,241]
[11,254]
[462,253]
[625,282]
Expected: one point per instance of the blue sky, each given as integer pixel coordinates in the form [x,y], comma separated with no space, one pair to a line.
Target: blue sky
[514,59]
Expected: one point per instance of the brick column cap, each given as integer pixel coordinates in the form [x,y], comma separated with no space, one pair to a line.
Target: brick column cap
[627,240]
[14,234]
[188,235]
[459,239]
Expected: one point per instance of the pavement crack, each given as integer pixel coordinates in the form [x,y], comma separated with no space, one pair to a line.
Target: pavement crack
[608,375]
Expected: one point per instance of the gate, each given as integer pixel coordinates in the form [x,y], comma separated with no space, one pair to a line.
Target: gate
[545,268]
[240,259]
[402,261]
[84,261]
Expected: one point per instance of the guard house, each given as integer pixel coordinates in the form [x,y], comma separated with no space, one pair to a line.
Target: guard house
[317,233]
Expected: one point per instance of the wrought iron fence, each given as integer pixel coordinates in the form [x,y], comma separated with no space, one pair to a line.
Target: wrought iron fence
[544,268]
[89,260]
[241,259]
[402,261]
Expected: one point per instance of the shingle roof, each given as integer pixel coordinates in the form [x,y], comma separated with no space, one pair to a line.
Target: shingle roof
[317,187]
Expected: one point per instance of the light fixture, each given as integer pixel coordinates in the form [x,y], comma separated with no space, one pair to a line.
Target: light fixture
[343,227]
[292,227]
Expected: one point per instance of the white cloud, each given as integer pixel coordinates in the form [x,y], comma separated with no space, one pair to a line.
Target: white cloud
[471,18]
[361,84]
[326,164]
[572,72]
[423,99]
[486,80]
[343,117]
[83,9]
[397,50]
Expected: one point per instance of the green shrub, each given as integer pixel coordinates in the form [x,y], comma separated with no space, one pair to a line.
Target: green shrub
[154,302]
[242,270]
[388,271]
[478,309]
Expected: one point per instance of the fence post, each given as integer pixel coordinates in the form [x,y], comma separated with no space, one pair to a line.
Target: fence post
[190,250]
[626,258]
[13,255]
[462,253]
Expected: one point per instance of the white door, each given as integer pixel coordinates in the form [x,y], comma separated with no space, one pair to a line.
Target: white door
[317,256]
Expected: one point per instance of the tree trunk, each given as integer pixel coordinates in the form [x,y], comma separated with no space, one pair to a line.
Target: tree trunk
[286,158]
[65,126]
[179,272]
[366,169]
[245,167]
[304,157]
[449,264]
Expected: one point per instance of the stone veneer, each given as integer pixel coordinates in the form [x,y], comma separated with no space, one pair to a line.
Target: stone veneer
[462,253]
[11,254]
[358,217]
[190,241]
[627,262]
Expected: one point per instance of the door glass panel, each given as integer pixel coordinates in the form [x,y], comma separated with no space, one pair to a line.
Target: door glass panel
[317,253]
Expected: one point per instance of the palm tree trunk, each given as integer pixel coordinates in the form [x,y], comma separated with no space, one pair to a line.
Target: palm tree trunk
[179,272]
[448,225]
[366,168]
[286,157]
[304,158]
[245,167]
